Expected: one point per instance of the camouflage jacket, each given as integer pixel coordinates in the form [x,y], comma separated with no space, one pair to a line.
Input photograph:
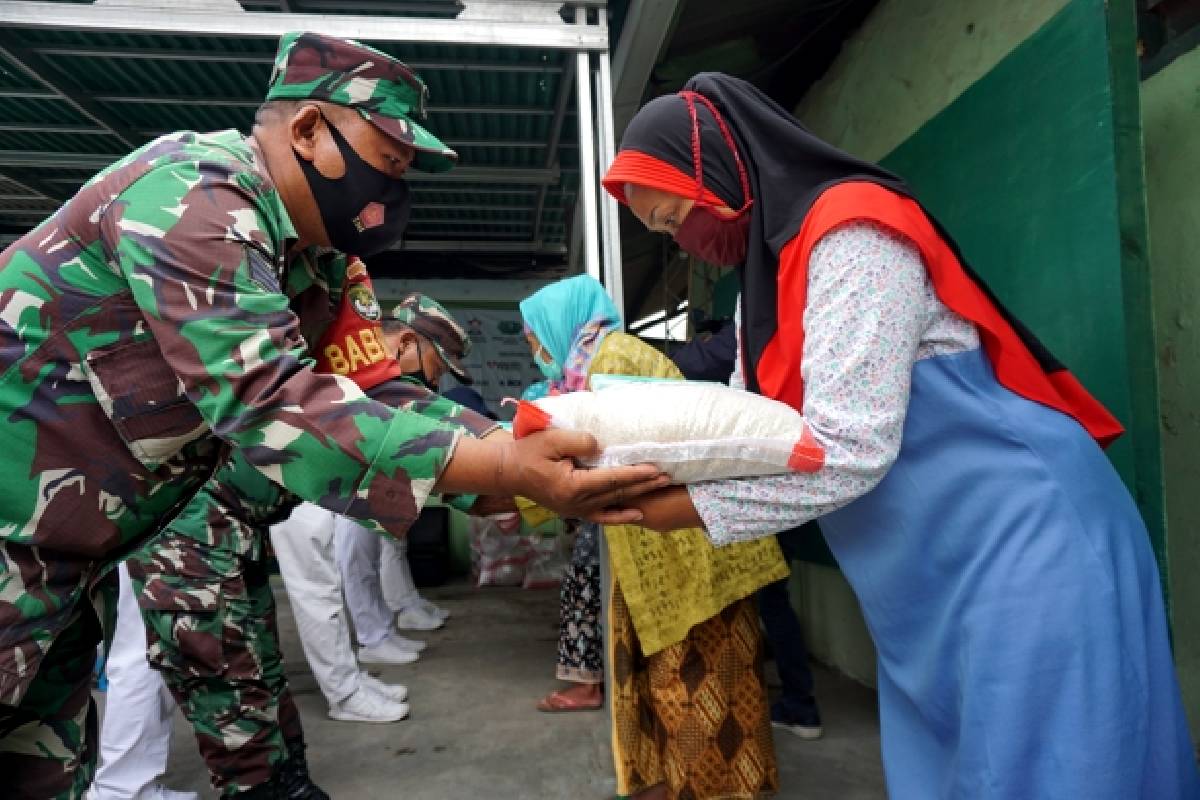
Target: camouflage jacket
[145,328]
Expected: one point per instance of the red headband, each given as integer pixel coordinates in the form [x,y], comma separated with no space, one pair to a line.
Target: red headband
[634,166]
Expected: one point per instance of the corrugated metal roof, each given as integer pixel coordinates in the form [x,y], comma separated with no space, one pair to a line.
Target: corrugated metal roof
[495,105]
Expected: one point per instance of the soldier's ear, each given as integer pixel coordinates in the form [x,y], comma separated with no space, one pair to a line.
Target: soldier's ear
[303,129]
[408,337]
[399,341]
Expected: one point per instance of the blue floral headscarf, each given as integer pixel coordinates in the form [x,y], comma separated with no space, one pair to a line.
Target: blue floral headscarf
[571,318]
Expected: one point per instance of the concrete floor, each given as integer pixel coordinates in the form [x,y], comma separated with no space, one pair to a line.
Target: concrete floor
[473,731]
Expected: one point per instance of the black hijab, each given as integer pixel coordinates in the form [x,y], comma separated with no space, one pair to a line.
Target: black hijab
[788,169]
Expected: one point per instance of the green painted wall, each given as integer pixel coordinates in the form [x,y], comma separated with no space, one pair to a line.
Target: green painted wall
[909,60]
[1171,129]
[1037,171]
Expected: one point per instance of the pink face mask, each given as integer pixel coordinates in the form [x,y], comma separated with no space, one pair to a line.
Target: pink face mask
[705,232]
[711,236]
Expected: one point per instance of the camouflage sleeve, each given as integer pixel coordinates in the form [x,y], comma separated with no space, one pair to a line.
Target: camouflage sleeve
[323,271]
[404,393]
[407,394]
[198,244]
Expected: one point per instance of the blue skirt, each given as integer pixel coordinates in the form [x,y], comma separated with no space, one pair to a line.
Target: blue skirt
[1009,585]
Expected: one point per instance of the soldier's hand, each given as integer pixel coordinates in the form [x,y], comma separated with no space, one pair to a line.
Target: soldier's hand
[543,468]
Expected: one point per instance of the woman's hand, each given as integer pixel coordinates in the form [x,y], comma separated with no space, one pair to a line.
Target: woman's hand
[668,510]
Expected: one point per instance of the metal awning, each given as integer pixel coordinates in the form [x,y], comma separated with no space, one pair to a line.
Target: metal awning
[521,88]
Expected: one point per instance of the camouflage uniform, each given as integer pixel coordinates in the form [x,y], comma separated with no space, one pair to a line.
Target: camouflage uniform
[209,610]
[210,620]
[145,329]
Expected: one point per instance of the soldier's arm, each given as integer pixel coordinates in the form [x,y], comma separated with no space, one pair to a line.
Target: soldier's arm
[406,394]
[197,244]
[401,393]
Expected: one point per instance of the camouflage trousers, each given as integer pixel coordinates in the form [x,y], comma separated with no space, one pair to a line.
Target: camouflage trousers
[49,742]
[212,634]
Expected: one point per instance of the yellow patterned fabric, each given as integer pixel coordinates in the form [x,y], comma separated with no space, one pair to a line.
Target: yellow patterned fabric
[674,581]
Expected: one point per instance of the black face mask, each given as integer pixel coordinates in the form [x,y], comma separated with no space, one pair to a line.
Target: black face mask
[365,211]
[419,372]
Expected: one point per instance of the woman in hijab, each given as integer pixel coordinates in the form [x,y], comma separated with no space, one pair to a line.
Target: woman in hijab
[689,705]
[1002,567]
[580,644]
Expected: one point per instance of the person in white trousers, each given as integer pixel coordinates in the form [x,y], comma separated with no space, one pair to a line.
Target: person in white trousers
[135,738]
[379,587]
[427,342]
[303,546]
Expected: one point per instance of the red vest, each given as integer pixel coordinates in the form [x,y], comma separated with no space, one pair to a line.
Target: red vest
[1016,368]
[353,343]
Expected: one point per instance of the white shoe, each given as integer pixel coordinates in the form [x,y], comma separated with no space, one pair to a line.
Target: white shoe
[154,791]
[405,643]
[392,691]
[809,733]
[389,651]
[435,610]
[163,793]
[367,706]
[416,618]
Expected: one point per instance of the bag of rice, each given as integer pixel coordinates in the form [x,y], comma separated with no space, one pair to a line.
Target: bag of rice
[692,431]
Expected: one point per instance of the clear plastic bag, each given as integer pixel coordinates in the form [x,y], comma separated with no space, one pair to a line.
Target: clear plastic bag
[547,560]
[499,556]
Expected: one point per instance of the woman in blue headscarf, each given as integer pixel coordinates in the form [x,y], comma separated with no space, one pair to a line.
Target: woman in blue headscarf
[678,606]
[566,322]
[569,321]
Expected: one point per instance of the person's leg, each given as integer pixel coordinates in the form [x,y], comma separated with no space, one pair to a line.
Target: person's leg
[796,708]
[206,617]
[636,731]
[700,690]
[580,647]
[48,742]
[135,738]
[399,588]
[262,645]
[400,592]
[305,549]
[414,611]
[358,555]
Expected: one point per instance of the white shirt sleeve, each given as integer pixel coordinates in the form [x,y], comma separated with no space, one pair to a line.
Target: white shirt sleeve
[868,305]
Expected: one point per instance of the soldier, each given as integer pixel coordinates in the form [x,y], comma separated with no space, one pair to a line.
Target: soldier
[147,327]
[207,603]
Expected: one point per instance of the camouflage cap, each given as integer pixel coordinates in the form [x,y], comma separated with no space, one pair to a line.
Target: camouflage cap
[310,66]
[427,317]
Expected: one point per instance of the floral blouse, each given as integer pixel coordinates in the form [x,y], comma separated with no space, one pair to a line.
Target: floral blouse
[871,314]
